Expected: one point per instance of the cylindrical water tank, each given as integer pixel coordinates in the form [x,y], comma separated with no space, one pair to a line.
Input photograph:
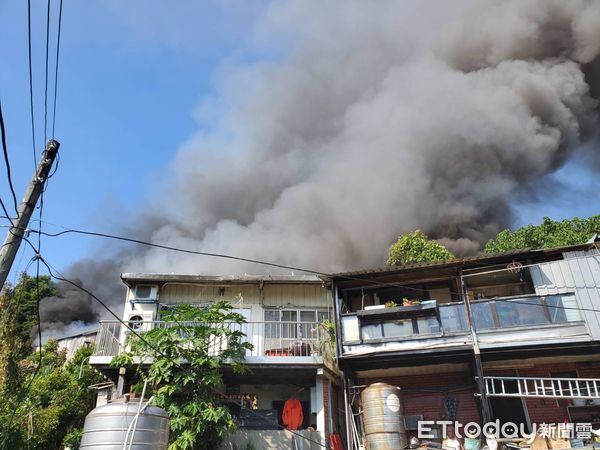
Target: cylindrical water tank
[382,417]
[106,426]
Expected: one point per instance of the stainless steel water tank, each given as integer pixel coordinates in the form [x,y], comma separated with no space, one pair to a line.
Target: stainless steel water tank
[106,426]
[382,417]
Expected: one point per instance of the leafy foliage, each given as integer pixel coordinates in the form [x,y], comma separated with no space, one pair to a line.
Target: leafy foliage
[54,406]
[39,405]
[23,297]
[186,370]
[548,234]
[416,247]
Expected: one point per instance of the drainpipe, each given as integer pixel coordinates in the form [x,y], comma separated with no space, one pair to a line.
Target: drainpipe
[485,405]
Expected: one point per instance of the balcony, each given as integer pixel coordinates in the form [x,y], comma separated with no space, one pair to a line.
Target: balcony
[498,322]
[524,311]
[273,342]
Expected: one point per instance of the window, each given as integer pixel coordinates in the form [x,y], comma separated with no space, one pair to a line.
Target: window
[284,327]
[527,311]
[398,328]
[524,311]
[482,316]
[428,325]
[563,308]
[453,317]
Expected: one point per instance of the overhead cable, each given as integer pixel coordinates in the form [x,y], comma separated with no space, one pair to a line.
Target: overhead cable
[271,264]
[46,71]
[7,160]
[31,85]
[60,7]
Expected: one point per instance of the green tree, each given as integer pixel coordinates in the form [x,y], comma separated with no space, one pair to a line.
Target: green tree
[53,406]
[416,247]
[23,299]
[39,404]
[548,234]
[186,370]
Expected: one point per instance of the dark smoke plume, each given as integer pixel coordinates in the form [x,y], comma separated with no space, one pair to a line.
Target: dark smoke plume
[383,117]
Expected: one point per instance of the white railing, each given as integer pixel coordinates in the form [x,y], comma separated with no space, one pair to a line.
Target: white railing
[290,339]
[587,388]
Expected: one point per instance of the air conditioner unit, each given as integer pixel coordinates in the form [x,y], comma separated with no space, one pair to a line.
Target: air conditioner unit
[140,321]
[137,322]
[145,293]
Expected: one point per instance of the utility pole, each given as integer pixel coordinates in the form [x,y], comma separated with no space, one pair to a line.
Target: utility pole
[26,208]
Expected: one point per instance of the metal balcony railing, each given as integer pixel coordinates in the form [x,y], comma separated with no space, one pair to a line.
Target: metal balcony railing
[290,339]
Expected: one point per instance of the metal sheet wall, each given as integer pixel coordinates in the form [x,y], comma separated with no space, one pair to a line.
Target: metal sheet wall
[196,293]
[298,295]
[273,295]
[579,272]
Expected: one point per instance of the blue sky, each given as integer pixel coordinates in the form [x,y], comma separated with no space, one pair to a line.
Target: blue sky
[130,79]
[132,76]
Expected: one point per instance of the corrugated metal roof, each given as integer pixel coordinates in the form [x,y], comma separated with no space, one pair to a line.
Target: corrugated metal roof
[466,260]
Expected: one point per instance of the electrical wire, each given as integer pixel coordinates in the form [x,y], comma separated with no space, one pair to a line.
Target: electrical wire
[37,256]
[60,277]
[46,84]
[60,7]
[271,264]
[6,215]
[7,160]
[266,263]
[31,110]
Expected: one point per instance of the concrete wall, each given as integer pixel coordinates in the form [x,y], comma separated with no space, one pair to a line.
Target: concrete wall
[273,440]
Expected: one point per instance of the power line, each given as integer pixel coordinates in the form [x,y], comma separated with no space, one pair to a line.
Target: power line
[6,215]
[56,67]
[7,160]
[255,261]
[31,83]
[46,85]
[266,263]
[60,277]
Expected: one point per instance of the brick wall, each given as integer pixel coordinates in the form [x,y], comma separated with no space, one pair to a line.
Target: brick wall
[428,401]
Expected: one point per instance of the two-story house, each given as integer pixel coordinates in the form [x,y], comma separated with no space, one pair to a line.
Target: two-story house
[513,337]
[293,356]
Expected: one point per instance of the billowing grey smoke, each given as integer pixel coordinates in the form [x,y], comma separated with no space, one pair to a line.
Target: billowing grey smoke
[382,117]
[72,311]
